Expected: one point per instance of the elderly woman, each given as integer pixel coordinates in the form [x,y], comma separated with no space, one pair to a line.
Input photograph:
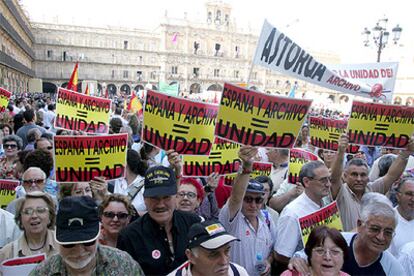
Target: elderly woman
[12,144]
[326,249]
[36,217]
[115,213]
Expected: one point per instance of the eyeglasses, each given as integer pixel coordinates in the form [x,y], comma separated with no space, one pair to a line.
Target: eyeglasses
[111,215]
[323,180]
[74,244]
[250,199]
[38,181]
[407,194]
[190,195]
[38,210]
[10,146]
[333,252]
[375,230]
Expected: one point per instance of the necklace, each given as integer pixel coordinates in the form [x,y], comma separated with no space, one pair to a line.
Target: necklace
[35,249]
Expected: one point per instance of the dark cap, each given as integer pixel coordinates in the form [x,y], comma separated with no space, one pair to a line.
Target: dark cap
[77,220]
[209,235]
[160,181]
[255,187]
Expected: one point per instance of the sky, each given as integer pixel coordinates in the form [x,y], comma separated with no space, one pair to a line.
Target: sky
[315,25]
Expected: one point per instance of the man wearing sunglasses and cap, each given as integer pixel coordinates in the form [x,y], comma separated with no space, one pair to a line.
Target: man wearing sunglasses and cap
[158,239]
[77,231]
[242,217]
[208,252]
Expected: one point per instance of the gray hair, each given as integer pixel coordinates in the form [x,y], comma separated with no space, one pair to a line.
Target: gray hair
[14,138]
[377,206]
[308,170]
[357,162]
[385,163]
[32,169]
[403,181]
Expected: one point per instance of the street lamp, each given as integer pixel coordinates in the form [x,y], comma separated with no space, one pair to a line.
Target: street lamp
[380,35]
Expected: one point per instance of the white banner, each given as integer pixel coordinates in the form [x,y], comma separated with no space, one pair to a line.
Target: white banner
[379,76]
[278,52]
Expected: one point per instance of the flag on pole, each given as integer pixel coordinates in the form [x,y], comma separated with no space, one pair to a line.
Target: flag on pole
[174,38]
[73,82]
[135,105]
[87,90]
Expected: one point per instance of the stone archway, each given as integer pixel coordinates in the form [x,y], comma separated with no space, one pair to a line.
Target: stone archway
[112,89]
[139,87]
[195,88]
[397,100]
[49,87]
[126,89]
[409,101]
[253,88]
[215,87]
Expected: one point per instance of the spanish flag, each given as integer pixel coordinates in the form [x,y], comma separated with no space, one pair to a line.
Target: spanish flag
[73,82]
[135,105]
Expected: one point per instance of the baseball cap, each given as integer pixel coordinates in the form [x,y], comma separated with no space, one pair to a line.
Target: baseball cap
[77,220]
[255,187]
[160,181]
[209,235]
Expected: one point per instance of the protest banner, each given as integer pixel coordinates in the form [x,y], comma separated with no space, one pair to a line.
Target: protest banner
[76,111]
[298,158]
[325,132]
[278,52]
[171,90]
[379,76]
[257,119]
[328,215]
[259,169]
[7,191]
[179,124]
[4,99]
[81,158]
[223,159]
[21,266]
[383,125]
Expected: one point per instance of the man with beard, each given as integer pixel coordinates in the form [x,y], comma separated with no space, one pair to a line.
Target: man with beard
[77,231]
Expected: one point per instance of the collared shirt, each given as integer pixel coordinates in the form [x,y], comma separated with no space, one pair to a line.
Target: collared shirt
[251,242]
[349,205]
[146,241]
[109,261]
[20,248]
[122,187]
[185,270]
[289,239]
[8,228]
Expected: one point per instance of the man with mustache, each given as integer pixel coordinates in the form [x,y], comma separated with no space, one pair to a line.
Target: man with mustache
[157,240]
[77,231]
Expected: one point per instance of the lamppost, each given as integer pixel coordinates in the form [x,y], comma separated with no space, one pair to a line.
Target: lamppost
[380,35]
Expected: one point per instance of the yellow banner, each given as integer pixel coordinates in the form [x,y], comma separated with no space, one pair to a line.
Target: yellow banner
[81,158]
[179,124]
[7,191]
[259,169]
[76,111]
[4,99]
[252,118]
[298,158]
[328,215]
[382,125]
[223,159]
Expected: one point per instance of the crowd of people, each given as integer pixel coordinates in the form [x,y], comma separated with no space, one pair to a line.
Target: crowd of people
[154,221]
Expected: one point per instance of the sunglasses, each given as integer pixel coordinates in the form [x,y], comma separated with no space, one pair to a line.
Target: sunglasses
[111,215]
[74,244]
[10,146]
[249,199]
[35,181]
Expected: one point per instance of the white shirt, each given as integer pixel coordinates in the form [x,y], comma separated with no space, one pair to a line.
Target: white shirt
[278,175]
[404,233]
[48,118]
[186,270]
[251,242]
[122,187]
[8,228]
[406,258]
[289,239]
